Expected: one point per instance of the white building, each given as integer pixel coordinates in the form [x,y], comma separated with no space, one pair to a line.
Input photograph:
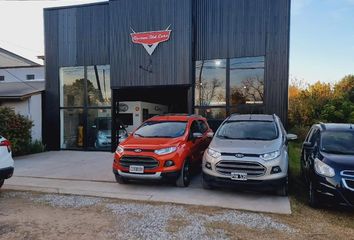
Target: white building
[22,87]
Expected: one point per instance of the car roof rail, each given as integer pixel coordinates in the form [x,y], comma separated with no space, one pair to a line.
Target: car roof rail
[323,126]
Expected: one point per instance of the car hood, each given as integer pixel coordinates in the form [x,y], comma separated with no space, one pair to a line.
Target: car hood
[245,146]
[344,162]
[150,143]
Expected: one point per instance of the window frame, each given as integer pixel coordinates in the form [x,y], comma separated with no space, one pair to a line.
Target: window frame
[85,107]
[249,108]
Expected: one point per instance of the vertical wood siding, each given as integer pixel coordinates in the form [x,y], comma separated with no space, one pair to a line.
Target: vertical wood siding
[171,62]
[241,28]
[51,131]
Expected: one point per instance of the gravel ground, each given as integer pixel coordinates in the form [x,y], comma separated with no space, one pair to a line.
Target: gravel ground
[150,221]
[160,221]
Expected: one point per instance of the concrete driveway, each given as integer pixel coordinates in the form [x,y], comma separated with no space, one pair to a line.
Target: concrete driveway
[90,173]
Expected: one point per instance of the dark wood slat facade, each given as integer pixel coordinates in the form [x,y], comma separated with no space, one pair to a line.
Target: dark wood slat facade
[252,28]
[201,29]
[171,62]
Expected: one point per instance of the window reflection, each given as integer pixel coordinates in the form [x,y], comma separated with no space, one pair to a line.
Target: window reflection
[210,84]
[247,80]
[72,86]
[212,113]
[72,128]
[99,130]
[82,123]
[98,86]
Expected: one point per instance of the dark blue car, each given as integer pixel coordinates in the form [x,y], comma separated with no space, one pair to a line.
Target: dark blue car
[327,164]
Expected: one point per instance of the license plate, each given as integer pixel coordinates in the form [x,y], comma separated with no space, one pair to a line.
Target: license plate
[136,169]
[239,176]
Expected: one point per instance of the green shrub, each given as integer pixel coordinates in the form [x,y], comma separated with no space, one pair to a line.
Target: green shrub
[36,147]
[300,131]
[17,129]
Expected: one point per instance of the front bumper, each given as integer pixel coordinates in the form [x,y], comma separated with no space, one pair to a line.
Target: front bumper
[157,176]
[333,191]
[6,173]
[257,185]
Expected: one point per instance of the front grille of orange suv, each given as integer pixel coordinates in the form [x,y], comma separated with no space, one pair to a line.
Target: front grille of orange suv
[147,162]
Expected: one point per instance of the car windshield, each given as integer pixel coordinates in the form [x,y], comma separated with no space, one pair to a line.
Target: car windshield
[248,130]
[159,129]
[338,142]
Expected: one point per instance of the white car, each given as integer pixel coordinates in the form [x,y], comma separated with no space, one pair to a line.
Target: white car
[6,161]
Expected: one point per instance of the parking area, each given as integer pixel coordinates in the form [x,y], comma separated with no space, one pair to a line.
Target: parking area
[90,173]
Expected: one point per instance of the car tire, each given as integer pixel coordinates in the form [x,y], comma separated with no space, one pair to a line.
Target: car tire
[283,190]
[184,179]
[120,179]
[312,196]
[206,184]
[2,182]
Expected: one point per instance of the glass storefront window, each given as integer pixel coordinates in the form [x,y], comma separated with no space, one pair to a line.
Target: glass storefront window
[212,113]
[72,128]
[85,102]
[99,127]
[210,83]
[98,85]
[246,80]
[72,85]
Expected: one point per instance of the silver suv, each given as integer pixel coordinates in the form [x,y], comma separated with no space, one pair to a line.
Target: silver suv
[250,152]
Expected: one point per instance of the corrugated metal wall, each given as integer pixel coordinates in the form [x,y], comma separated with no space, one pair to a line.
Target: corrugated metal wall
[171,63]
[241,28]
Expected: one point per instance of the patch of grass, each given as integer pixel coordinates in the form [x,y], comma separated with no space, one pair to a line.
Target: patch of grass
[297,187]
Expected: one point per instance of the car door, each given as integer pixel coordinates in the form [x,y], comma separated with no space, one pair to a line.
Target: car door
[204,129]
[195,143]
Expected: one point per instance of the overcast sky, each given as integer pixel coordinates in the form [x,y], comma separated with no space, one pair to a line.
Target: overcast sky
[322,34]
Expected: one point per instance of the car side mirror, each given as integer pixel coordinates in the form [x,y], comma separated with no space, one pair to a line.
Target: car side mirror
[210,134]
[291,137]
[197,135]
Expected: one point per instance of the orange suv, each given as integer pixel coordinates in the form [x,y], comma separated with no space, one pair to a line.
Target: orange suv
[163,147]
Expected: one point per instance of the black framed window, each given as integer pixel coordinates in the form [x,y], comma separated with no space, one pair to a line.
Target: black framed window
[224,86]
[246,80]
[72,128]
[210,83]
[98,86]
[85,107]
[2,78]
[72,87]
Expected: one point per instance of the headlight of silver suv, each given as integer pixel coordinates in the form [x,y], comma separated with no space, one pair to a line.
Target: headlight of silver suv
[323,169]
[212,153]
[270,156]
